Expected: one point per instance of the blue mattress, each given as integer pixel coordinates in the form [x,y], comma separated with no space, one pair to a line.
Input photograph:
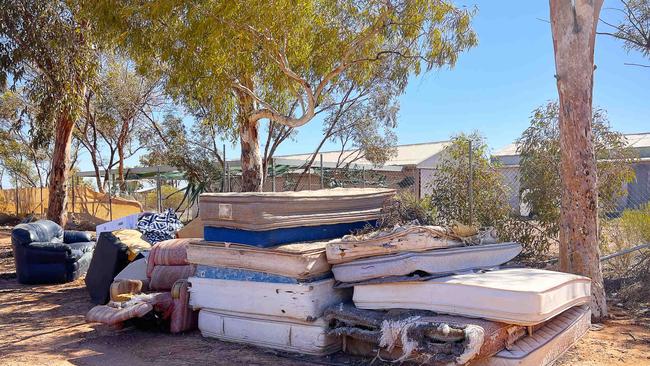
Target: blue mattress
[235,274]
[269,238]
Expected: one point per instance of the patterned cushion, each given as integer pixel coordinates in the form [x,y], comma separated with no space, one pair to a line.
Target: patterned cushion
[159,227]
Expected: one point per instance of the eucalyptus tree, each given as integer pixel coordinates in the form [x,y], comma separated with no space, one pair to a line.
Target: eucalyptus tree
[631,24]
[19,156]
[252,59]
[114,116]
[573,26]
[47,50]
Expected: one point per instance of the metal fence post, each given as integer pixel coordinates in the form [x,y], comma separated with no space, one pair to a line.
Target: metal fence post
[470,185]
[16,195]
[227,177]
[223,175]
[111,177]
[158,191]
[273,174]
[322,174]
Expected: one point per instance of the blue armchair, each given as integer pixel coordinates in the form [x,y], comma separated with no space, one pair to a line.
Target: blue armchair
[45,253]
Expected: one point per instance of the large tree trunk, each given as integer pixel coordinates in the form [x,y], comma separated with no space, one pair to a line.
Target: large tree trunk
[57,204]
[574,30]
[251,159]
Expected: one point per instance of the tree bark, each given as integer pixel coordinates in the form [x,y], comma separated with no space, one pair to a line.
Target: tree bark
[573,26]
[57,203]
[251,160]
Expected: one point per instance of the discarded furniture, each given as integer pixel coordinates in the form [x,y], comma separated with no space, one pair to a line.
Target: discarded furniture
[441,261]
[267,331]
[167,310]
[520,296]
[114,251]
[273,218]
[256,293]
[45,253]
[547,343]
[299,260]
[419,336]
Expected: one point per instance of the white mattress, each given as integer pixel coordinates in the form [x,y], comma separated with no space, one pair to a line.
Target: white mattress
[546,344]
[303,301]
[300,260]
[283,334]
[519,296]
[433,262]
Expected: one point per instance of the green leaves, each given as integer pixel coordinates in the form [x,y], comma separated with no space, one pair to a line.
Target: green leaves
[539,148]
[205,47]
[45,48]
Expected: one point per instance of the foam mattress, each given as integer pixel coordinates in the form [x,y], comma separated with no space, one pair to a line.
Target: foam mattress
[238,274]
[283,334]
[255,211]
[300,260]
[397,240]
[519,296]
[546,344]
[303,301]
[433,262]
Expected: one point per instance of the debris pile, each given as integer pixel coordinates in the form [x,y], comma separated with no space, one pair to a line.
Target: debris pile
[262,274]
[405,279]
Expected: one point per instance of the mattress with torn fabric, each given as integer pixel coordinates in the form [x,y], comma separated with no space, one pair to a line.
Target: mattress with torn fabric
[419,336]
[432,262]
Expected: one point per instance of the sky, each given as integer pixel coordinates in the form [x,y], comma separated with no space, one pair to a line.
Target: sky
[494,87]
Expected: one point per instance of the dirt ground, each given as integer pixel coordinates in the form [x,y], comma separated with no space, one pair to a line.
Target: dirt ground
[44,325]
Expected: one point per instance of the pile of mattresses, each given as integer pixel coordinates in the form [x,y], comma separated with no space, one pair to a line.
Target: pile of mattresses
[262,275]
[429,295]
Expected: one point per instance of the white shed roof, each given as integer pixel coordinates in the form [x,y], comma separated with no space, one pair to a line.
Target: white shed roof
[419,155]
[639,141]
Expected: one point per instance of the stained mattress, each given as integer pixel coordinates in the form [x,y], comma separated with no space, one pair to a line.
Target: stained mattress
[303,301]
[519,296]
[547,343]
[397,240]
[432,262]
[301,260]
[273,210]
[278,333]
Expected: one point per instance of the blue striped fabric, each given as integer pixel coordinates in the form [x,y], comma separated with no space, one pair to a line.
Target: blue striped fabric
[235,274]
[269,238]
